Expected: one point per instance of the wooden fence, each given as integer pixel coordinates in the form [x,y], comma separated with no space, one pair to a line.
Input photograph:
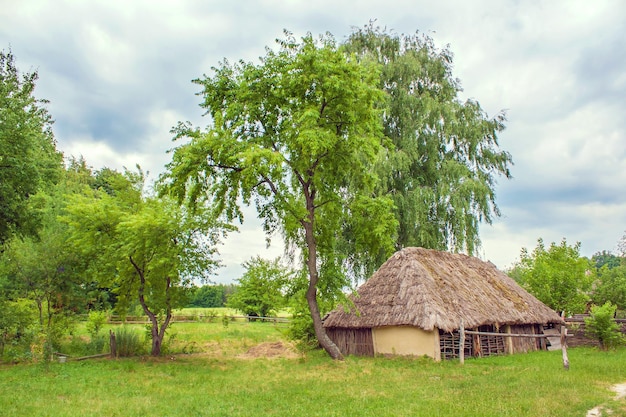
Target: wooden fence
[199,318]
[577,331]
[463,332]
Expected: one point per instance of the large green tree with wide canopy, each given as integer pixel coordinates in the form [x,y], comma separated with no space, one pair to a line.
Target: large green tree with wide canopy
[349,151]
[297,135]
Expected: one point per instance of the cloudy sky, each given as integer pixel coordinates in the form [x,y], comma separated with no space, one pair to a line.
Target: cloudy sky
[117,74]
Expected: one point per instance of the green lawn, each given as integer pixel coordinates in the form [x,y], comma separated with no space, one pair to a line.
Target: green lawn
[217,380]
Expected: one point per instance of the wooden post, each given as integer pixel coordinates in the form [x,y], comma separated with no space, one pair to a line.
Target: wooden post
[564,347]
[508,341]
[461,344]
[113,344]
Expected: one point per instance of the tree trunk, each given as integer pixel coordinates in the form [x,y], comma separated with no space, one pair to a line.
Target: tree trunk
[156,334]
[311,296]
[328,345]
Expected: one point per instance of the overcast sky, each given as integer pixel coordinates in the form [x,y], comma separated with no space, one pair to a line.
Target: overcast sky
[118,76]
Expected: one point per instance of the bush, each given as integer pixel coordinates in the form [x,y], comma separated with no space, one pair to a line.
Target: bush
[95,321]
[301,329]
[18,329]
[59,325]
[128,342]
[602,326]
[210,316]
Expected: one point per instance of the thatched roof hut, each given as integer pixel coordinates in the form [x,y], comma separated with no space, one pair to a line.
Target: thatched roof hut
[434,291]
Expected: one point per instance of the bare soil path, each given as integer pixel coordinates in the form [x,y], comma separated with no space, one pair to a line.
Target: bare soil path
[620,392]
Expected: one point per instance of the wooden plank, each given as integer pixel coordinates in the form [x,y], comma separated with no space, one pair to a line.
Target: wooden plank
[555,343]
[554,337]
[506,334]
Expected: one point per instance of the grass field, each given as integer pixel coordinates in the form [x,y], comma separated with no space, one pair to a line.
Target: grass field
[219,378]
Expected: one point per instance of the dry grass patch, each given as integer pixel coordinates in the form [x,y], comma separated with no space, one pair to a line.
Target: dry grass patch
[271,350]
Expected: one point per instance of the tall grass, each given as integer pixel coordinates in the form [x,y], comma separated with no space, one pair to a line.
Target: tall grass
[533,384]
[128,342]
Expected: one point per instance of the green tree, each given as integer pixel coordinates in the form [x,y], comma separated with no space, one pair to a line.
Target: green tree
[261,288]
[558,275]
[611,286]
[18,328]
[441,171]
[40,269]
[148,249]
[602,326]
[43,268]
[605,257]
[29,160]
[209,296]
[297,134]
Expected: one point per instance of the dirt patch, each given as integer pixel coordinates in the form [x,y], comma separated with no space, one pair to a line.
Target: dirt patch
[270,350]
[620,392]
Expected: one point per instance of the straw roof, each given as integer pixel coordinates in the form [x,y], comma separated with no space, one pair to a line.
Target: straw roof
[431,289]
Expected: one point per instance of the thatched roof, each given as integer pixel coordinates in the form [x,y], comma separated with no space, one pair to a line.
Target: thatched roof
[432,289]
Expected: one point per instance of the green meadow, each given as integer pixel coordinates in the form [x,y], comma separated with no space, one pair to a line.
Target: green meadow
[249,369]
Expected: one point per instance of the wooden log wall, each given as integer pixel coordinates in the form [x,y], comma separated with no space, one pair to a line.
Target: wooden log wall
[576,331]
[524,344]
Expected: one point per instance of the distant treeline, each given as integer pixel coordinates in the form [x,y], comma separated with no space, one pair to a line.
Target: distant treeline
[210,296]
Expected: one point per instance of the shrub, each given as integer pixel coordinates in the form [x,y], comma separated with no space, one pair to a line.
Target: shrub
[59,325]
[602,326]
[18,329]
[128,342]
[96,344]
[95,321]
[301,329]
[210,316]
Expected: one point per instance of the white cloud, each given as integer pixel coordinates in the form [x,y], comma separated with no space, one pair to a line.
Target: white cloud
[118,76]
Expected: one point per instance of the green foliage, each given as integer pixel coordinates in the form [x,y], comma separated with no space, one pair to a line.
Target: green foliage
[297,135]
[29,161]
[260,290]
[42,269]
[601,325]
[611,286]
[441,167]
[128,342]
[18,329]
[209,296]
[148,249]
[301,329]
[603,258]
[45,269]
[61,324]
[95,321]
[558,276]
